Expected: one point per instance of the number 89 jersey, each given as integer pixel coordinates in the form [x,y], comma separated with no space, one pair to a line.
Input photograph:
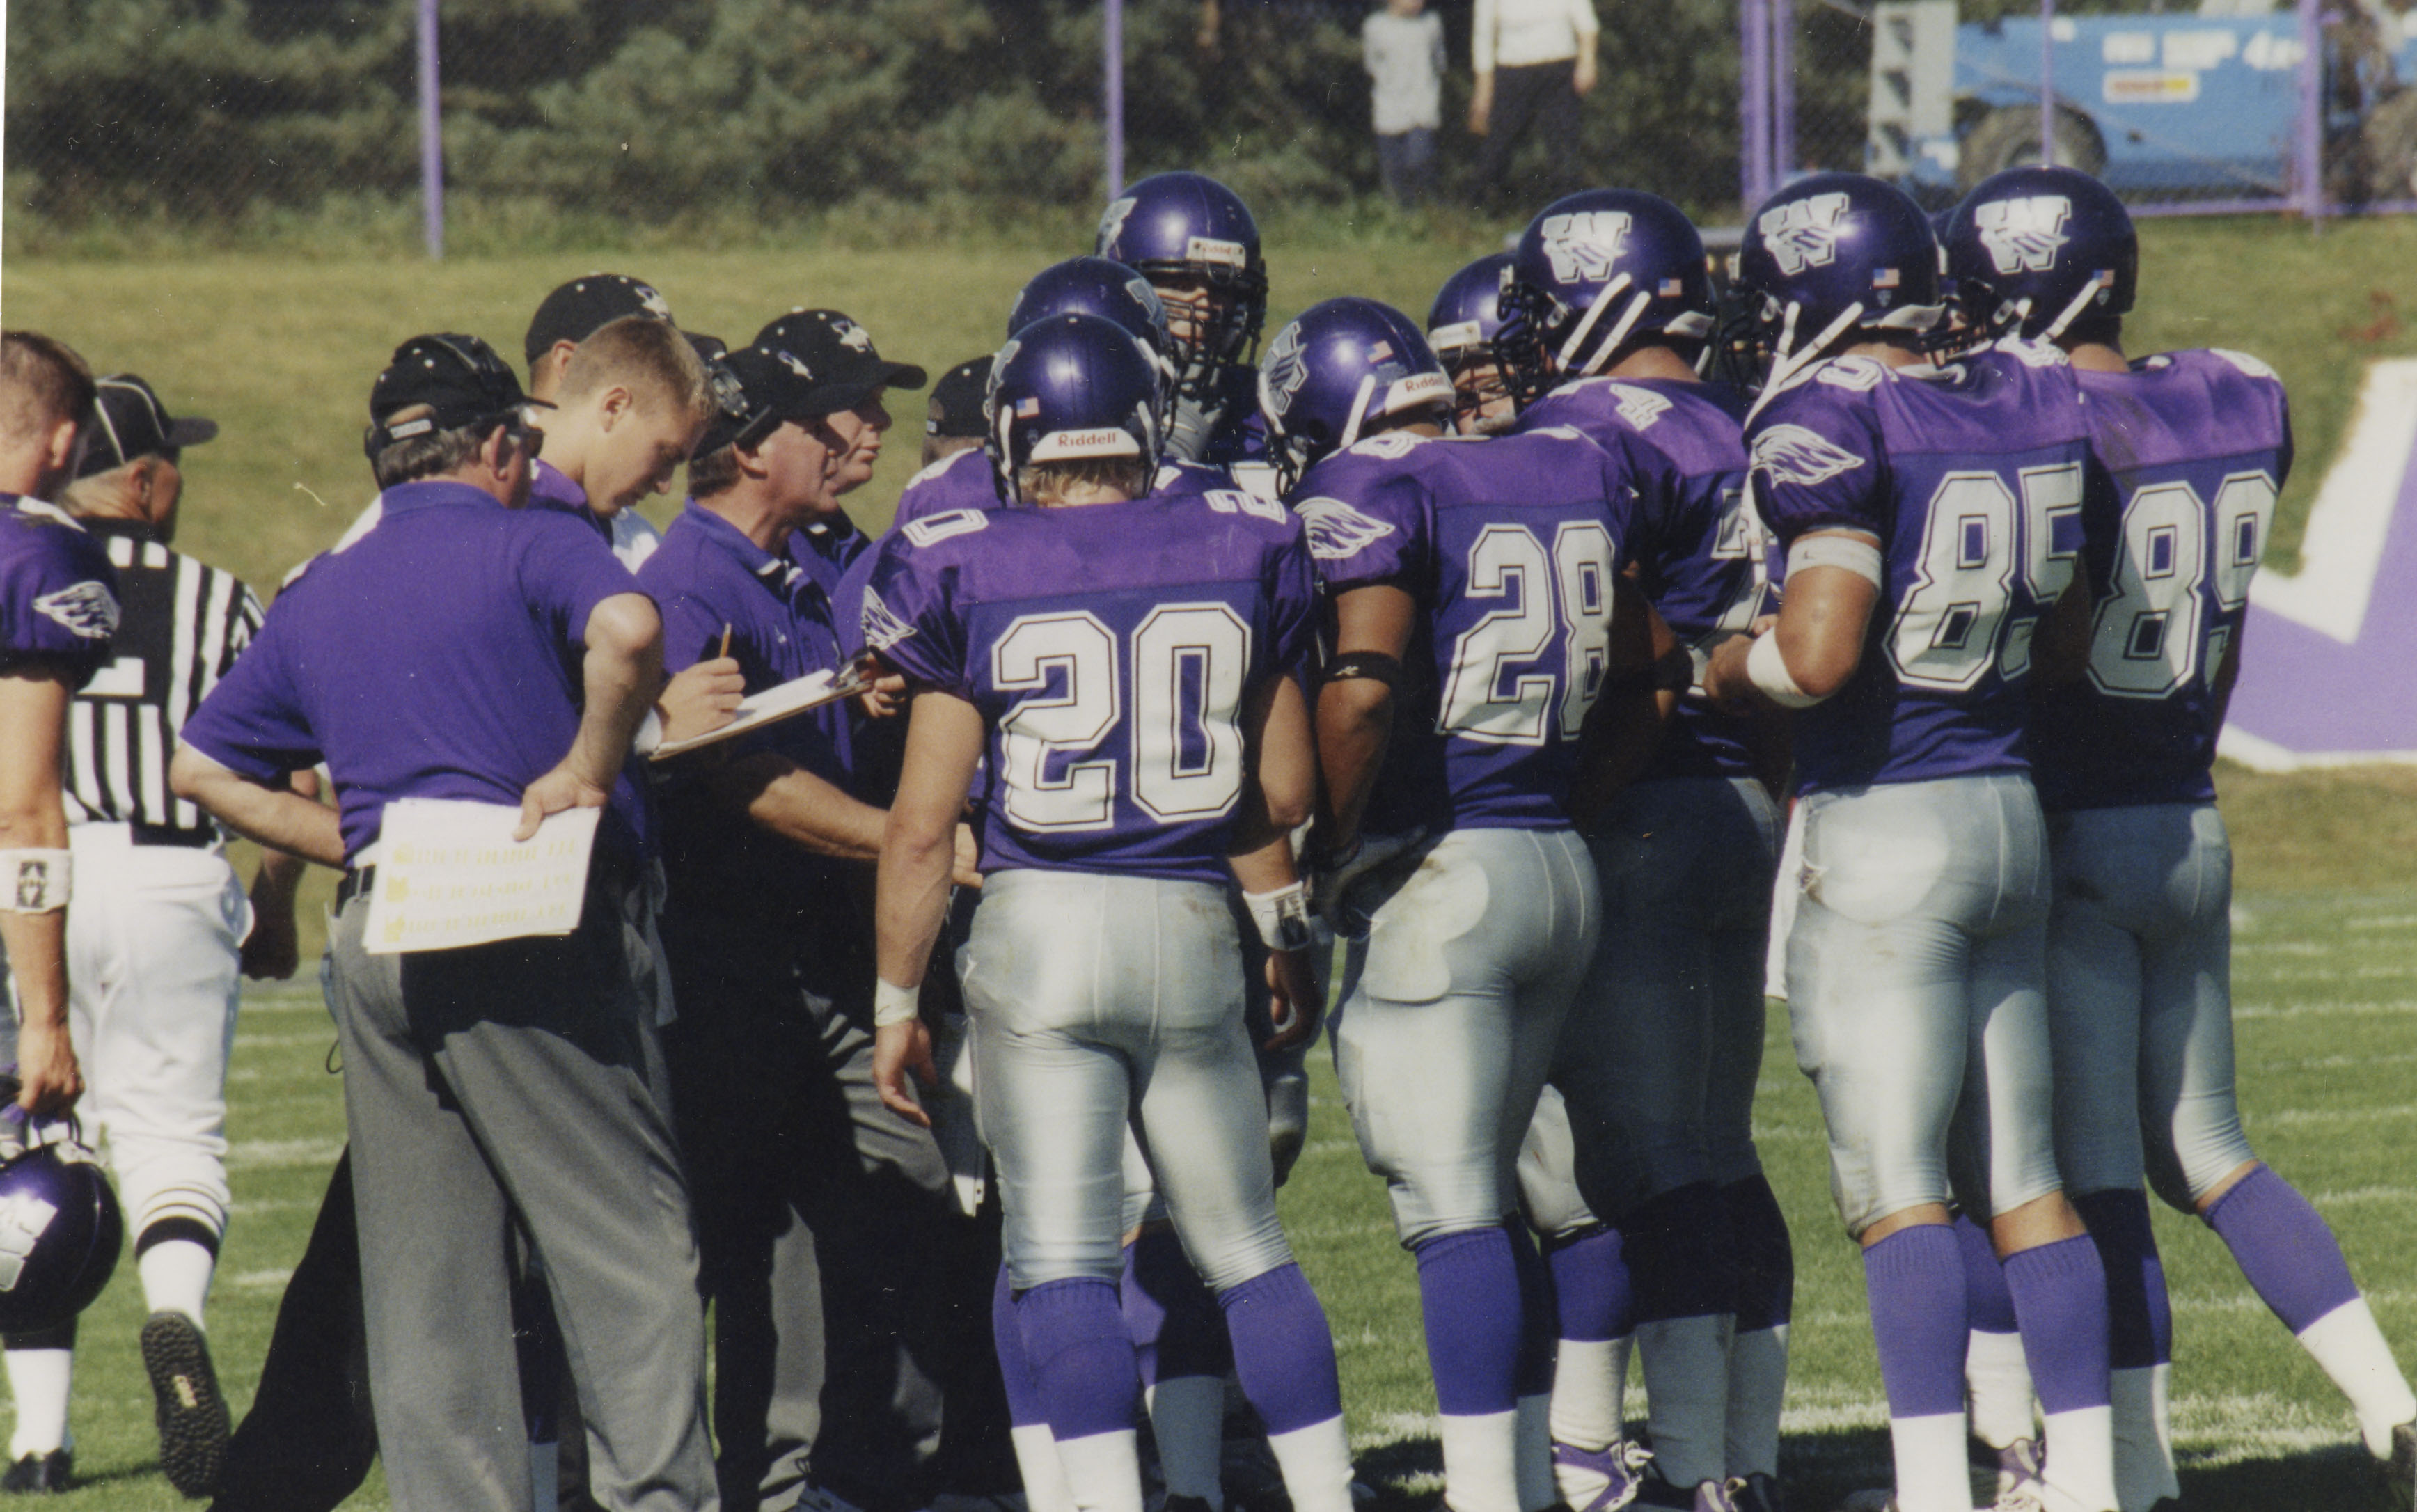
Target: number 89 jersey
[1511,547]
[2197,444]
[1971,477]
[1110,649]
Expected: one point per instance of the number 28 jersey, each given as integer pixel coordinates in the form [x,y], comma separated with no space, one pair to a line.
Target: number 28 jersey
[1971,477]
[1110,649]
[1511,547]
[2197,444]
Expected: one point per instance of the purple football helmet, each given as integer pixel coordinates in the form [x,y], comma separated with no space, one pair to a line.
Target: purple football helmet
[1112,290]
[1182,227]
[60,1232]
[2039,250]
[1832,255]
[1072,388]
[1594,275]
[1341,364]
[1461,327]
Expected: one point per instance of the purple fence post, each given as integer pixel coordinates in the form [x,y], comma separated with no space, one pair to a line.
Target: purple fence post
[1782,92]
[1753,101]
[2310,147]
[431,136]
[2047,82]
[1114,49]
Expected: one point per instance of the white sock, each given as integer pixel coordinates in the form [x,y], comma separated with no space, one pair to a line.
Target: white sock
[40,1381]
[176,1277]
[1932,1475]
[1103,1471]
[2351,1351]
[1997,1380]
[1316,1465]
[1187,1416]
[2080,1456]
[1535,1454]
[1044,1477]
[1686,1363]
[2144,1438]
[1757,1390]
[1481,1461]
[1588,1377]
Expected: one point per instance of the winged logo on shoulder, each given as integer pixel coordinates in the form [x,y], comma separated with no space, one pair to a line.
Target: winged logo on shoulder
[1793,454]
[87,608]
[1336,530]
[1803,233]
[882,629]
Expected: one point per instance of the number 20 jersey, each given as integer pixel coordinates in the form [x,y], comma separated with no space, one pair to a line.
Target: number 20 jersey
[2197,444]
[1110,649]
[1971,477]
[1511,547]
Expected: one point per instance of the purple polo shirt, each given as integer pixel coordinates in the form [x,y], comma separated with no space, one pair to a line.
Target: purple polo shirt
[439,657]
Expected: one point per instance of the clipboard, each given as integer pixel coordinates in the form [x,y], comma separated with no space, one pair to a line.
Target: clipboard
[784,701]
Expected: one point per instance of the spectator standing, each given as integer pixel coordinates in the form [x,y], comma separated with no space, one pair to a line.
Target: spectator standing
[1402,46]
[1533,59]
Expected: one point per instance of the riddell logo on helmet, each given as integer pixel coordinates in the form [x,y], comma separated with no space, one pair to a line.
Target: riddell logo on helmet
[2022,235]
[1586,244]
[1211,249]
[1803,233]
[23,1220]
[1104,441]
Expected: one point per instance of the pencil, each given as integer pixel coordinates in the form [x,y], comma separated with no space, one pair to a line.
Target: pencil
[725,640]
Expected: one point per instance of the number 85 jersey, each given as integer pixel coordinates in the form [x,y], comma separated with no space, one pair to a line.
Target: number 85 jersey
[1512,548]
[1110,649]
[1970,476]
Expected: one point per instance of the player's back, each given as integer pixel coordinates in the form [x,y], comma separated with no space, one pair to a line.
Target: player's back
[1970,476]
[1110,649]
[1512,548]
[58,594]
[2194,445]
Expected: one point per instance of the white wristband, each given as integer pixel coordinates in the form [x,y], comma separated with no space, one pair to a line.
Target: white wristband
[1282,915]
[1860,558]
[36,882]
[895,1005]
[1768,670]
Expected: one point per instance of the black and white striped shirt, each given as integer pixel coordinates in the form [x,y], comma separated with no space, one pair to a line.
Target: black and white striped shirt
[183,624]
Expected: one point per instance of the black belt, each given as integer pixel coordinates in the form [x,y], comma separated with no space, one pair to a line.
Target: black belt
[161,835]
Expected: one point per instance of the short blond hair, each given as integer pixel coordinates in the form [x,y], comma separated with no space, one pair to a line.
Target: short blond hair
[1046,481]
[42,382]
[648,356]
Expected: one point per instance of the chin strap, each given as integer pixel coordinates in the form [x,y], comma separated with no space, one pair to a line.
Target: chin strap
[1611,290]
[2081,301]
[1788,360]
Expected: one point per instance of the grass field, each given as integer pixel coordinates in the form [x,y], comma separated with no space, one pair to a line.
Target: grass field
[281,347]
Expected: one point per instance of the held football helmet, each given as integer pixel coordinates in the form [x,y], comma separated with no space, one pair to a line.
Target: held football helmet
[1593,274]
[1461,327]
[1172,227]
[1340,365]
[2036,250]
[1827,257]
[60,1226]
[1070,388]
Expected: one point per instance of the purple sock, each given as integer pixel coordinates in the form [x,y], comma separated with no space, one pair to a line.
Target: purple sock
[1986,1294]
[1469,1289]
[1766,1261]
[2060,1296]
[1539,1322]
[2140,1316]
[1590,1293]
[1082,1359]
[1916,1281]
[1175,1322]
[2283,1248]
[1283,1350]
[1680,1258]
[1023,1405]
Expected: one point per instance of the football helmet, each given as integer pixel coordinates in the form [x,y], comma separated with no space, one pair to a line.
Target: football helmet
[1461,327]
[1070,388]
[1096,286]
[2035,249]
[1827,257]
[1341,364]
[60,1228]
[1181,226]
[1595,273]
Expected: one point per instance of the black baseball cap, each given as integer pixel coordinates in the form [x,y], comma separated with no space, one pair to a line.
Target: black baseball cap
[709,349]
[460,378]
[757,388]
[580,308]
[839,354]
[957,401]
[127,422]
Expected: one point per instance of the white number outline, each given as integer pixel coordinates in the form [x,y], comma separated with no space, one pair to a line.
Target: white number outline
[1041,727]
[1508,561]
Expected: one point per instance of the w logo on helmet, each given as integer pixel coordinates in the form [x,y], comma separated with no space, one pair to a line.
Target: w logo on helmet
[2022,235]
[1585,245]
[1112,223]
[23,1220]
[1287,369]
[1803,233]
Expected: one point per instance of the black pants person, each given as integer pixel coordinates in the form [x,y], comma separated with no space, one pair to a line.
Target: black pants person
[1545,95]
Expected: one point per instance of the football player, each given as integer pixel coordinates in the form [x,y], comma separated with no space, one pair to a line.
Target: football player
[1116,667]
[1931,519]
[1607,309]
[1472,585]
[1461,327]
[2139,932]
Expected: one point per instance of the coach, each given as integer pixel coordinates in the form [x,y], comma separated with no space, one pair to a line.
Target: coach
[468,648]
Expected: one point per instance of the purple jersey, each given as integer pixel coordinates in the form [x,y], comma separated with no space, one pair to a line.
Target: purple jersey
[1694,544]
[2197,444]
[1110,649]
[964,481]
[1970,476]
[58,594]
[1512,548]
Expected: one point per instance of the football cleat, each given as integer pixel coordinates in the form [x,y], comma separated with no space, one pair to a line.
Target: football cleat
[47,1472]
[1621,1467]
[1757,1493]
[2400,1471]
[1712,1496]
[190,1411]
